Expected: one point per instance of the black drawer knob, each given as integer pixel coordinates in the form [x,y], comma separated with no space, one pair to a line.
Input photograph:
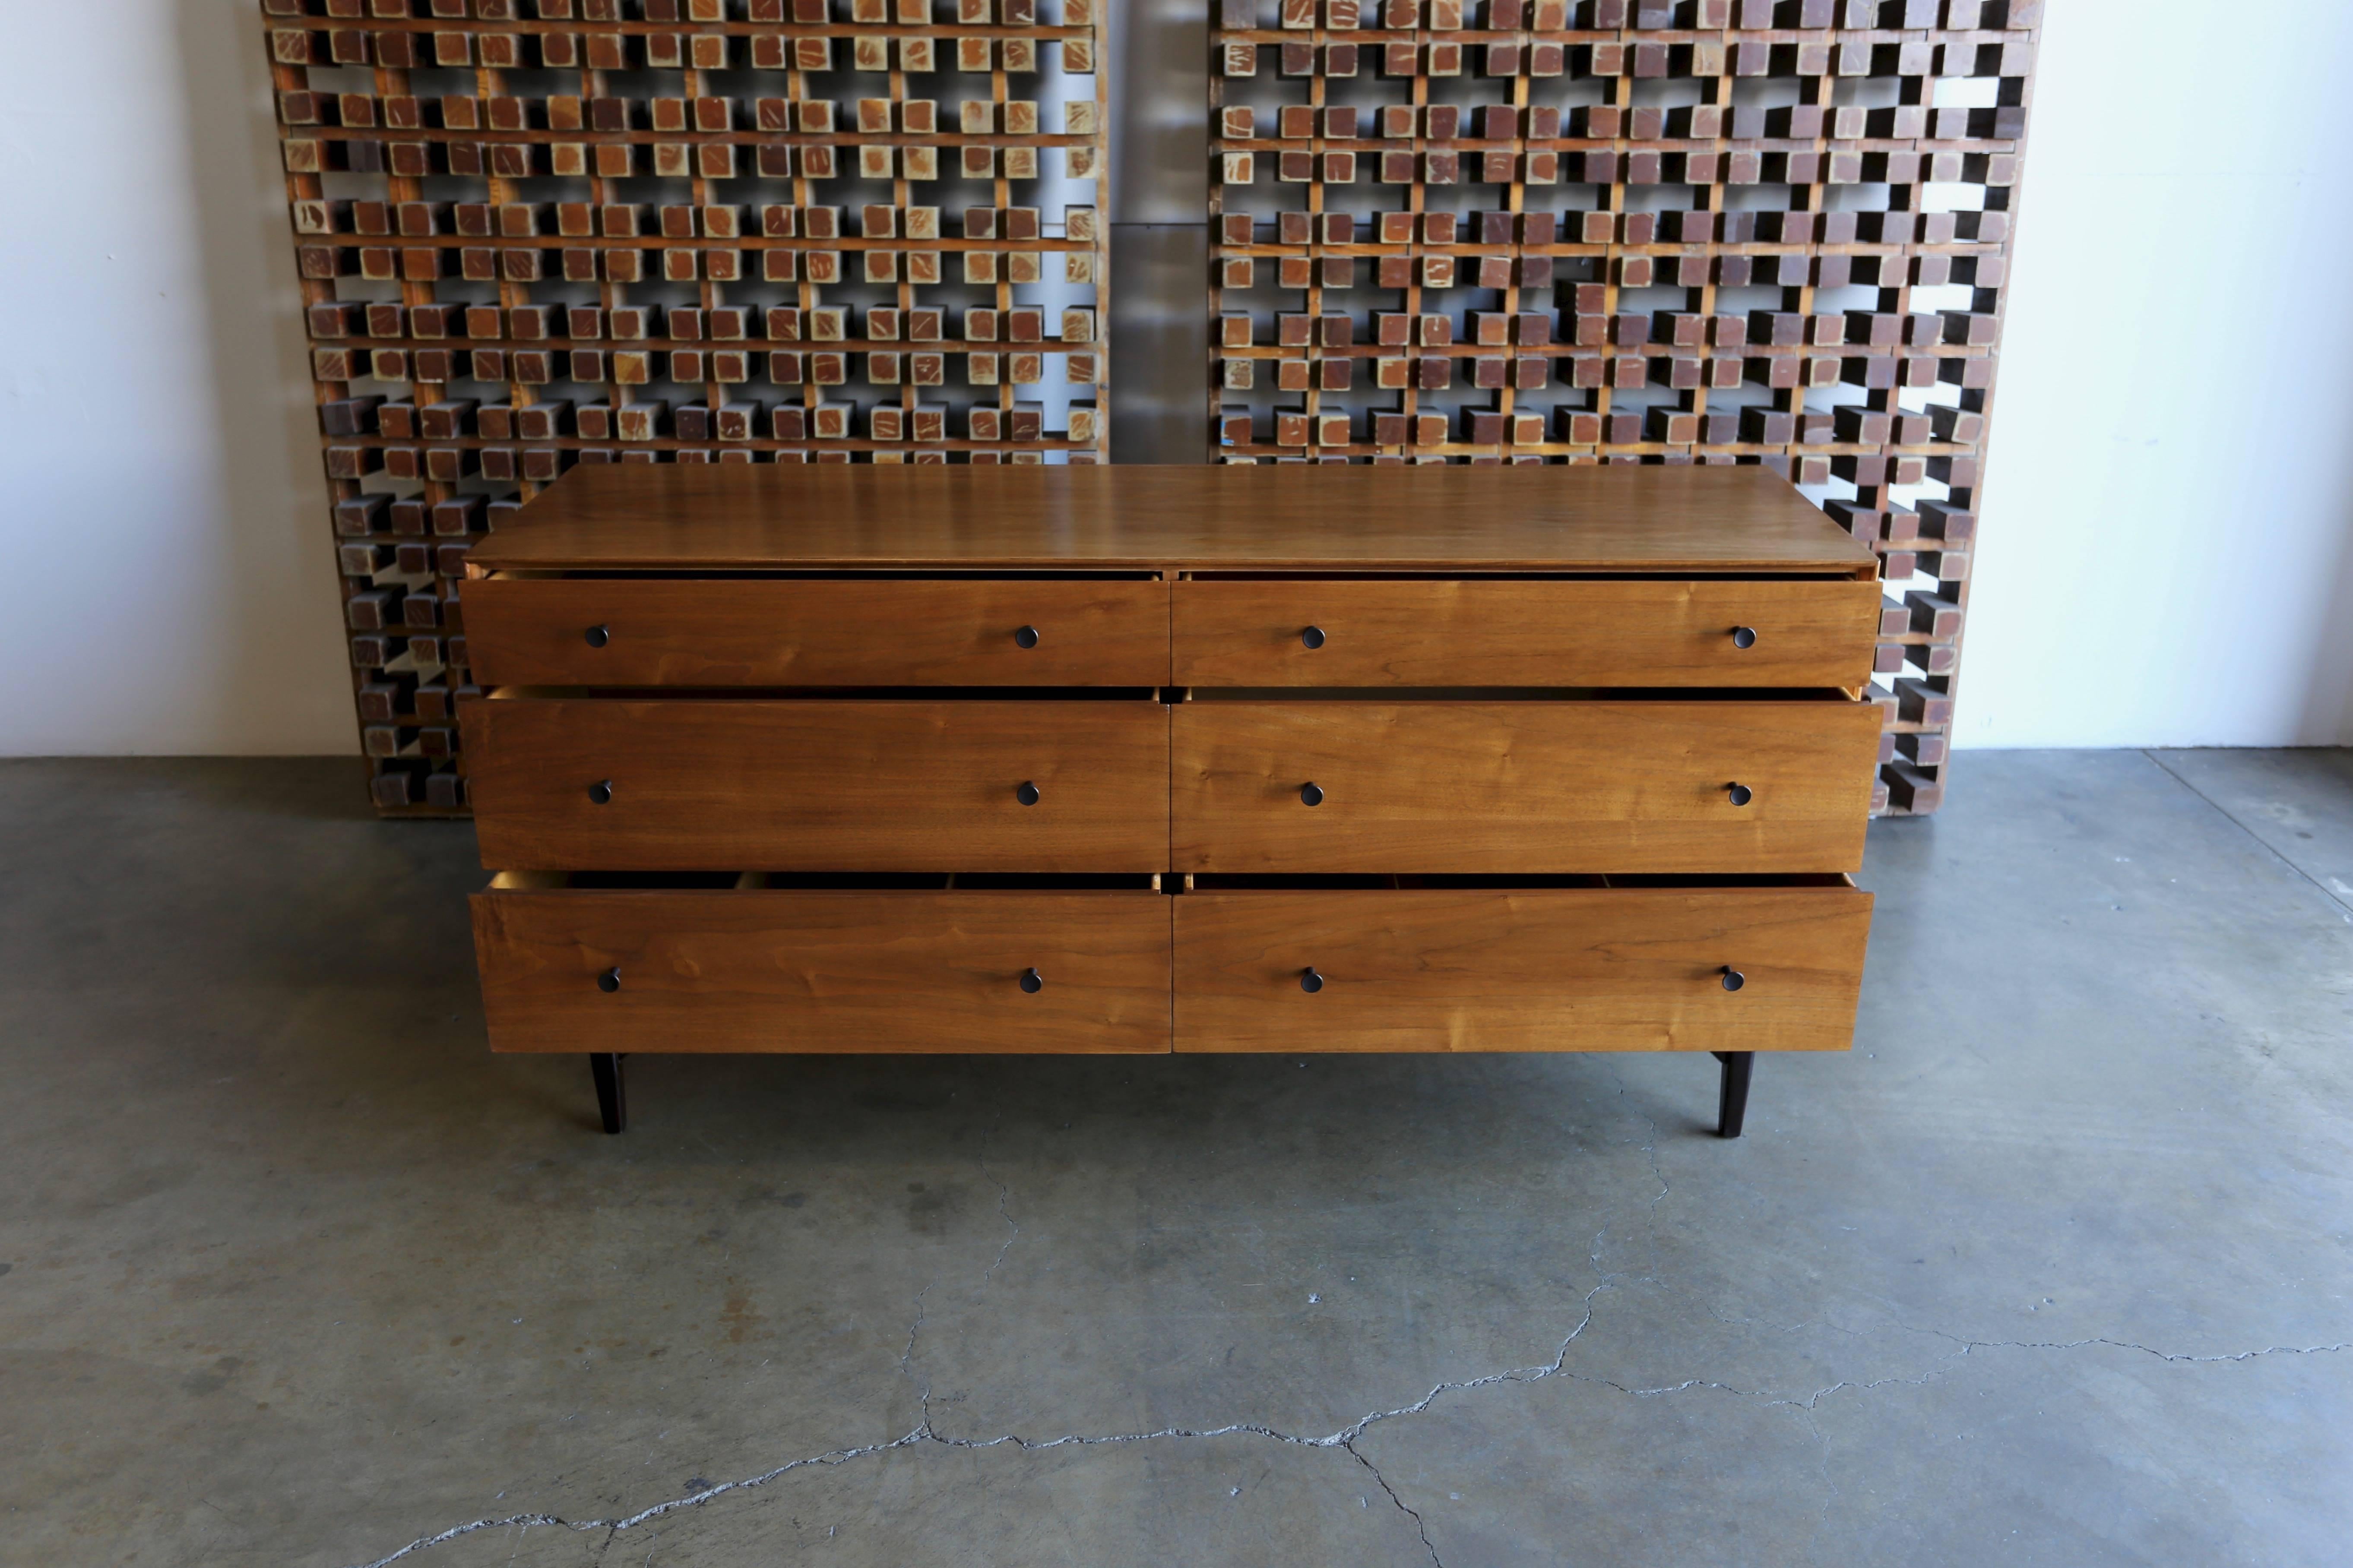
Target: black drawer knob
[608,982]
[1311,981]
[601,791]
[1027,795]
[1313,636]
[1032,982]
[599,635]
[1311,794]
[1026,636]
[1733,979]
[1743,636]
[1740,793]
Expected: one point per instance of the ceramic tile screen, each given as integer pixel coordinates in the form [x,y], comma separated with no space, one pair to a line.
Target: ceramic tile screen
[536,233]
[1636,231]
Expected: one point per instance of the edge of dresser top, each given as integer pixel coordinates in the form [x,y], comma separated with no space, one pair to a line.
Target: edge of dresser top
[1200,518]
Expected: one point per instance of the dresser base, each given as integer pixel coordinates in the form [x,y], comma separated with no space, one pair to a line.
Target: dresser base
[1731,1099]
[612,1093]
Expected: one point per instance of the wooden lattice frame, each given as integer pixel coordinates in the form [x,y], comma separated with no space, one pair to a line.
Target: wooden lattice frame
[483,172]
[1806,141]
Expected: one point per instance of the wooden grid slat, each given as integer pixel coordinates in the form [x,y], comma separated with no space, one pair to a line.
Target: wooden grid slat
[536,233]
[1711,231]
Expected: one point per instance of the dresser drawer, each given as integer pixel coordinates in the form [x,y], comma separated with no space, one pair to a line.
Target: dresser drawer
[1486,970]
[1369,632]
[1504,787]
[971,631]
[806,971]
[818,785]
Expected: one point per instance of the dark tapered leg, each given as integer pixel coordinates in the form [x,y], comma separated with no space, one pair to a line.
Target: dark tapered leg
[612,1102]
[1732,1099]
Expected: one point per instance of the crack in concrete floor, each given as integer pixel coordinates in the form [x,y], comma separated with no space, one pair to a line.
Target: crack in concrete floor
[1345,1438]
[924,1433]
[1411,1512]
[1004,1197]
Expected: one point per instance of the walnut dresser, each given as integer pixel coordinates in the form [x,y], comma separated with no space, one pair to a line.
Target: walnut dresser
[839,758]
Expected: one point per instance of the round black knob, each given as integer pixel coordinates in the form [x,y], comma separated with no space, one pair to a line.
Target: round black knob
[1027,795]
[599,635]
[1311,794]
[1733,979]
[1743,636]
[1311,981]
[610,981]
[1740,793]
[1026,636]
[1313,636]
[601,791]
[1032,982]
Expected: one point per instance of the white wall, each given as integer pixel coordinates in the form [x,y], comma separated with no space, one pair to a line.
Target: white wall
[171,578]
[2167,556]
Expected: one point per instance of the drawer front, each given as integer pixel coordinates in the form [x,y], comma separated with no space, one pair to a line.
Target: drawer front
[819,786]
[1506,788]
[1505,632]
[824,971]
[1607,970]
[843,632]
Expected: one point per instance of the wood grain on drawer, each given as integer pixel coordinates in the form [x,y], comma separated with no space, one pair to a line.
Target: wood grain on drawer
[1521,632]
[1523,787]
[832,632]
[823,971]
[818,785]
[1480,970]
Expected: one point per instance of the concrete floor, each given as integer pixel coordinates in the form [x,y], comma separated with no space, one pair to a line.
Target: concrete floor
[2053,1270]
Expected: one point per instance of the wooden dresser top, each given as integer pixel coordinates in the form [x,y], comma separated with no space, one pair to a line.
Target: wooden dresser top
[734,517]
